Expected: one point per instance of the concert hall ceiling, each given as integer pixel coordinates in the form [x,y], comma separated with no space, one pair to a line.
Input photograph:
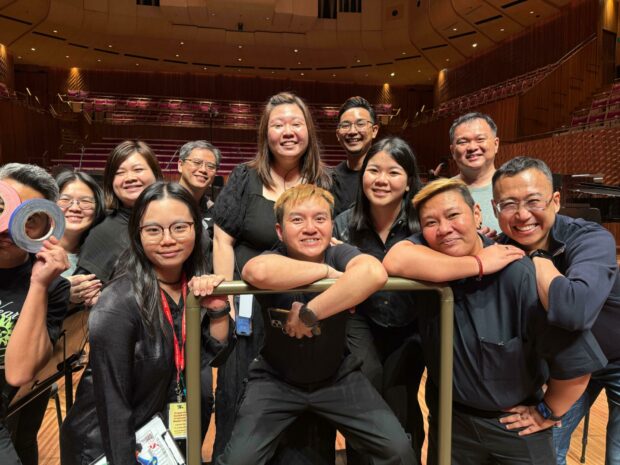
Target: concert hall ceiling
[395,41]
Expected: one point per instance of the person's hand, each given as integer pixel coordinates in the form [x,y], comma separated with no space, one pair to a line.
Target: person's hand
[526,417]
[203,286]
[50,262]
[488,232]
[333,273]
[84,287]
[334,241]
[496,257]
[294,326]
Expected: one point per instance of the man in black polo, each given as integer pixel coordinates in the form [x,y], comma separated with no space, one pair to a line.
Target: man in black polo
[504,350]
[357,128]
[304,364]
[577,278]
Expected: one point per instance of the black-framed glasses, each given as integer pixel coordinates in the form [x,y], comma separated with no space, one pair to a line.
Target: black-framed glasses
[85,203]
[200,163]
[178,231]
[511,207]
[360,124]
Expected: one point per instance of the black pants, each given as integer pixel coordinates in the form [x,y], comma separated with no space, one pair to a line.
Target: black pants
[309,441]
[269,406]
[485,441]
[394,363]
[8,455]
[24,426]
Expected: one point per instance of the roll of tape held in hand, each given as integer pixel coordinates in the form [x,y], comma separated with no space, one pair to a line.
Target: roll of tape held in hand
[43,219]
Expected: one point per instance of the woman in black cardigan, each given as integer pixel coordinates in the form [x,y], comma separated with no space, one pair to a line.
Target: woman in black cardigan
[136,335]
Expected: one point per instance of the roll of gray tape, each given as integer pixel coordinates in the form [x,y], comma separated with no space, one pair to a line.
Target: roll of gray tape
[46,220]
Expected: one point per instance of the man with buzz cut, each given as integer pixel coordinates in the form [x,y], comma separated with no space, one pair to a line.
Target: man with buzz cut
[577,279]
[474,144]
[505,350]
[304,364]
[356,130]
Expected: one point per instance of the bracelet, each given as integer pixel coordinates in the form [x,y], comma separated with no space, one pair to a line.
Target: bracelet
[480,270]
[215,314]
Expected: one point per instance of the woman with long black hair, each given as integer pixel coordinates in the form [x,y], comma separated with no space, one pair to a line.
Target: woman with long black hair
[383,330]
[137,329]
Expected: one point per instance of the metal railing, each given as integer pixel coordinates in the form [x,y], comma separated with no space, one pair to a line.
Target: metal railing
[194,436]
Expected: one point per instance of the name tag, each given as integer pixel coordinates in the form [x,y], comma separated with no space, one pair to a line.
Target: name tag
[177,420]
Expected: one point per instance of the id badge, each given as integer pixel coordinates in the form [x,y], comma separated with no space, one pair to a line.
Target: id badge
[177,420]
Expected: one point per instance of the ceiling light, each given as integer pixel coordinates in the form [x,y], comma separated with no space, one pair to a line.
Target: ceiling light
[273,72]
[301,74]
[403,53]
[267,18]
[98,60]
[239,46]
[212,14]
[299,62]
[181,43]
[239,59]
[66,56]
[55,31]
[366,75]
[109,45]
[419,71]
[177,55]
[137,64]
[296,50]
[19,57]
[447,59]
[392,74]
[334,75]
[33,49]
[454,29]
[532,12]
[358,60]
[475,44]
[501,30]
[205,68]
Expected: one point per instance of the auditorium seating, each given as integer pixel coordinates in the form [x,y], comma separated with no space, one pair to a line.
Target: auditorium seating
[94,156]
[140,109]
[603,108]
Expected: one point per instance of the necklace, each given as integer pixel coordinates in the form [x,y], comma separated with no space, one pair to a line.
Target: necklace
[169,283]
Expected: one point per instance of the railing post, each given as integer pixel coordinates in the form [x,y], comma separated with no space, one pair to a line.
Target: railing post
[192,371]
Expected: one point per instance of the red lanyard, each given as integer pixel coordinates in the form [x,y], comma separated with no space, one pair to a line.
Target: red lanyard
[179,349]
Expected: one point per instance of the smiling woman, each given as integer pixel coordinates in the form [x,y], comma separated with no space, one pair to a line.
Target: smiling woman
[130,168]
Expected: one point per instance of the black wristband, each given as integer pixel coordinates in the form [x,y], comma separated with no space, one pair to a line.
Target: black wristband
[215,314]
[541,253]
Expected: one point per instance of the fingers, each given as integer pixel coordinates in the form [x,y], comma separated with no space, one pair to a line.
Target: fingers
[204,285]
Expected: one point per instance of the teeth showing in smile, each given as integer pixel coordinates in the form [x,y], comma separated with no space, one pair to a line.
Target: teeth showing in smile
[310,240]
[527,227]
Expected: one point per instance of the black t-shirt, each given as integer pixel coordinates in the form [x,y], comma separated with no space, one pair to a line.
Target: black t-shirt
[345,184]
[14,286]
[307,360]
[504,348]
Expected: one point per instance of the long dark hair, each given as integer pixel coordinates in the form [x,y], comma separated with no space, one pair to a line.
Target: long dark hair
[313,170]
[138,267]
[404,155]
[67,177]
[116,158]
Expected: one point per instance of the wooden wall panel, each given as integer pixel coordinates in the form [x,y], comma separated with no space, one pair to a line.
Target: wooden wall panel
[537,46]
[549,105]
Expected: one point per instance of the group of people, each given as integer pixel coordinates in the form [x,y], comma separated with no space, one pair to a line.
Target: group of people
[537,300]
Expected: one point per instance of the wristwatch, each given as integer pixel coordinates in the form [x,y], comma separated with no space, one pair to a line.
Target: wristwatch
[219,313]
[546,412]
[542,254]
[309,318]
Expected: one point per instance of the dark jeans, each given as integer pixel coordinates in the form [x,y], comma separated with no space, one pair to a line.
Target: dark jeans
[394,363]
[485,441]
[269,406]
[24,426]
[608,379]
[8,455]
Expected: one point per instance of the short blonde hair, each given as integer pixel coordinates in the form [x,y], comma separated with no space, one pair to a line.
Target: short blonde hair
[298,194]
[442,185]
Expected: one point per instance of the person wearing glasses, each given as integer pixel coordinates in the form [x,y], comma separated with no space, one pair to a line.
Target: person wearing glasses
[81,201]
[137,333]
[505,348]
[474,144]
[129,169]
[357,128]
[577,278]
[198,164]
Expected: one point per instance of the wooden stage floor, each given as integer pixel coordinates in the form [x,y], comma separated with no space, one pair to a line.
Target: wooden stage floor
[49,448]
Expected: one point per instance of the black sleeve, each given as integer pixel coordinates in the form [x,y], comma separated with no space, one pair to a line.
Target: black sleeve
[216,352]
[339,256]
[342,226]
[229,209]
[112,337]
[57,306]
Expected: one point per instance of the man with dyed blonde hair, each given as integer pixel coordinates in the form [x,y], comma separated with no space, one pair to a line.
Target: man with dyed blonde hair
[504,349]
[304,364]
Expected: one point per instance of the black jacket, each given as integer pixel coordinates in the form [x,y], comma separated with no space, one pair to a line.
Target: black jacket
[127,380]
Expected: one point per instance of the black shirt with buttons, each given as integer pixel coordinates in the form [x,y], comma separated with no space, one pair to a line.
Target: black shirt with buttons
[384,308]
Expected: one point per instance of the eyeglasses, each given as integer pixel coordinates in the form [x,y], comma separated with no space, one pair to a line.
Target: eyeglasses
[200,163]
[360,124]
[155,232]
[85,203]
[510,207]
